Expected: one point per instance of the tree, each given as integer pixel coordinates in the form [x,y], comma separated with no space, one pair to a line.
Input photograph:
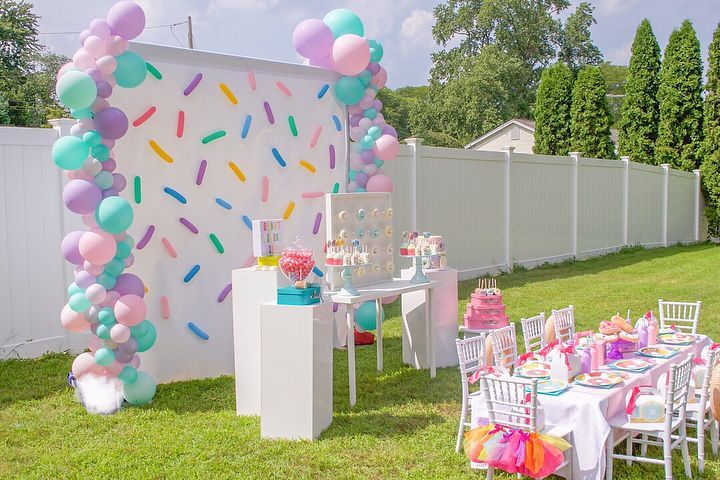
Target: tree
[710,167]
[4,114]
[576,46]
[397,105]
[640,112]
[615,77]
[490,93]
[18,36]
[552,111]
[590,126]
[680,97]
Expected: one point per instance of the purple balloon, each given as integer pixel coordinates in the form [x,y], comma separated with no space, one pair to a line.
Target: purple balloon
[84,279]
[321,62]
[126,19]
[104,89]
[108,143]
[127,283]
[119,182]
[361,179]
[355,120]
[374,68]
[110,192]
[312,38]
[111,123]
[81,196]
[125,351]
[367,156]
[94,327]
[377,105]
[94,73]
[69,248]
[389,130]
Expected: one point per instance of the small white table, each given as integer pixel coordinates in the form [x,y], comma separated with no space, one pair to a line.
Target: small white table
[377,292]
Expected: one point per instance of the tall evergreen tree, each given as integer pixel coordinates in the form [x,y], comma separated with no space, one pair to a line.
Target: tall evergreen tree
[640,113]
[710,167]
[681,109]
[590,114]
[552,111]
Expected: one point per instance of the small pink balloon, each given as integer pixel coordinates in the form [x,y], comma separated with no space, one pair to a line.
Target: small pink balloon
[350,54]
[109,165]
[116,45]
[99,105]
[365,123]
[135,362]
[130,310]
[83,59]
[83,35]
[129,260]
[386,147]
[73,321]
[106,64]
[97,246]
[371,93]
[95,293]
[379,183]
[64,69]
[92,167]
[100,28]
[370,169]
[115,367]
[110,299]
[365,103]
[84,364]
[95,46]
[110,143]
[354,110]
[356,164]
[381,78]
[356,133]
[94,343]
[93,269]
[120,333]
[89,220]
[119,237]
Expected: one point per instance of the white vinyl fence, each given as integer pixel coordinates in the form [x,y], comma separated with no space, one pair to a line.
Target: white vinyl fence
[495,209]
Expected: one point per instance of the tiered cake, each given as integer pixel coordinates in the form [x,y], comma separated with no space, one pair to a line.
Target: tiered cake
[486,310]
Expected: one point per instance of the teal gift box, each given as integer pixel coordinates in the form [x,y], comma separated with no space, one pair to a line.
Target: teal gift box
[299,296]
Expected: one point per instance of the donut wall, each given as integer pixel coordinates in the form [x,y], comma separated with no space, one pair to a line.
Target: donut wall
[216,142]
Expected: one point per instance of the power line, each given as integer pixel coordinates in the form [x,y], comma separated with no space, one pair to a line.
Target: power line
[175,37]
[146,28]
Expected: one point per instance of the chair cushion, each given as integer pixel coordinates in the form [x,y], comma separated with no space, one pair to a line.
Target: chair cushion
[622,421]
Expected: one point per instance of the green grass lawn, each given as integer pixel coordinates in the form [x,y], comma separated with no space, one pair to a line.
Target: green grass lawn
[403,425]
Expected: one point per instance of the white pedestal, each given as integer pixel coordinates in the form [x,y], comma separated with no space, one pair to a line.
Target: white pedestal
[297,370]
[251,288]
[444,308]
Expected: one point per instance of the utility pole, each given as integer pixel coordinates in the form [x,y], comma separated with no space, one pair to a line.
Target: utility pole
[190,33]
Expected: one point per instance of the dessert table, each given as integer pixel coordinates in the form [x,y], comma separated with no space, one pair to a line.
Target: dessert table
[586,411]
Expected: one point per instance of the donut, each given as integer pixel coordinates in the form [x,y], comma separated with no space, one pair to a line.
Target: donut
[629,337]
[609,328]
[601,337]
[549,330]
[622,323]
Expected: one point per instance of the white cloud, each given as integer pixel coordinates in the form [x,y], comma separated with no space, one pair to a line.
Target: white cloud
[416,30]
[251,5]
[610,8]
[619,55]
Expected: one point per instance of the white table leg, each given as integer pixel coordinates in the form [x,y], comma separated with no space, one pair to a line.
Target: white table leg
[350,317]
[429,333]
[379,339]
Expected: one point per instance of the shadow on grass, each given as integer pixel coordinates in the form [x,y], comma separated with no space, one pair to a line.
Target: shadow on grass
[33,379]
[378,424]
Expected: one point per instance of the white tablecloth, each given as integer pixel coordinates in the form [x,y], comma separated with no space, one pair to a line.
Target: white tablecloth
[586,410]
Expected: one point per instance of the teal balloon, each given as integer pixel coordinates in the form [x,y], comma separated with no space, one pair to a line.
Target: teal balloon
[357,148]
[349,90]
[365,76]
[123,251]
[131,69]
[104,180]
[141,391]
[103,331]
[352,174]
[128,374]
[366,316]
[73,289]
[104,356]
[140,329]
[148,340]
[343,21]
[370,113]
[376,53]
[360,190]
[69,153]
[106,316]
[129,241]
[367,142]
[76,90]
[92,138]
[101,152]
[114,267]
[114,214]
[379,162]
[81,113]
[375,132]
[106,280]
[79,303]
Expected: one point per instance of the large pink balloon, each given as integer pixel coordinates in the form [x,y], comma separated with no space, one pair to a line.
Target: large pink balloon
[97,246]
[130,310]
[126,19]
[350,54]
[84,364]
[73,321]
[313,39]
[386,147]
[379,183]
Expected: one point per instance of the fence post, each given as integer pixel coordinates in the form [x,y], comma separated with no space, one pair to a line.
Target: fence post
[697,205]
[416,144]
[62,125]
[508,151]
[626,197]
[575,157]
[665,200]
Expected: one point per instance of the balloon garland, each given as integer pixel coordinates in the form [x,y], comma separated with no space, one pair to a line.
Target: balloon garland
[336,42]
[103,299]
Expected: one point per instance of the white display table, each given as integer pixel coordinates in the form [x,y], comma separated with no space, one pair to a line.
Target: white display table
[251,288]
[377,292]
[445,313]
[297,370]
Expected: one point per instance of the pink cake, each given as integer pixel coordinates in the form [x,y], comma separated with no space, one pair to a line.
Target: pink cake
[486,310]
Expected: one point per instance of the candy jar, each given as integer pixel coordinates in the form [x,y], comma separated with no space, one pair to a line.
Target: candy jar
[296,263]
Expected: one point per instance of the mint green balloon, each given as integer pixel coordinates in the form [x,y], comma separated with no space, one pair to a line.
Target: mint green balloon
[123,251]
[147,340]
[114,214]
[141,391]
[92,138]
[128,374]
[73,289]
[103,180]
[349,90]
[343,21]
[106,280]
[365,76]
[114,267]
[103,331]
[104,356]
[131,69]
[375,132]
[106,316]
[376,52]
[140,329]
[69,153]
[76,90]
[79,303]
[101,152]
[81,113]
[129,241]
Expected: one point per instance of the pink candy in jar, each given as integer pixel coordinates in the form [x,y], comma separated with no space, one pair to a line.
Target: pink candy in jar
[296,263]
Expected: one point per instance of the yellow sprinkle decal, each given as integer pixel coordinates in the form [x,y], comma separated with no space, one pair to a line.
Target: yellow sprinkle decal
[161,153]
[228,93]
[289,210]
[308,165]
[237,171]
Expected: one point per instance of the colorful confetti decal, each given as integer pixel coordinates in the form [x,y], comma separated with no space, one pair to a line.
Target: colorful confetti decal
[146,237]
[196,330]
[238,173]
[193,84]
[144,117]
[191,274]
[175,194]
[228,93]
[216,243]
[160,152]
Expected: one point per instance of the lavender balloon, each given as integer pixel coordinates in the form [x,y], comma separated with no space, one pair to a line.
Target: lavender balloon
[127,283]
[81,196]
[104,90]
[374,68]
[111,123]
[367,156]
[126,350]
[361,179]
[70,249]
[390,130]
[313,39]
[126,19]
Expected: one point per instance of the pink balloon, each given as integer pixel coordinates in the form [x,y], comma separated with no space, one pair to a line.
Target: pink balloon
[356,163]
[379,183]
[89,220]
[94,343]
[129,260]
[100,28]
[95,46]
[115,367]
[120,333]
[73,321]
[106,64]
[84,34]
[365,103]
[354,110]
[109,165]
[64,69]
[356,133]
[350,54]
[115,45]
[130,310]
[110,299]
[365,123]
[388,300]
[370,169]
[97,246]
[126,19]
[95,293]
[99,105]
[135,362]
[381,77]
[370,92]
[84,364]
[83,59]
[352,186]
[386,147]
[312,38]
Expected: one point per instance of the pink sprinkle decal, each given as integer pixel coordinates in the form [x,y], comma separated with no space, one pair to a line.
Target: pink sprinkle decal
[251,81]
[265,189]
[315,137]
[180,124]
[168,246]
[165,307]
[312,194]
[283,88]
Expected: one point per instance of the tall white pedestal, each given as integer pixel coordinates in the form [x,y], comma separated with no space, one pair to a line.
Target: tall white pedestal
[297,370]
[251,288]
[444,310]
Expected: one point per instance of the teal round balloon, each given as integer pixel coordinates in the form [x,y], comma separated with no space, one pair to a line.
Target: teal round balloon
[352,174]
[349,90]
[343,21]
[103,331]
[376,53]
[114,214]
[128,374]
[81,113]
[76,90]
[106,316]
[79,303]
[366,316]
[114,267]
[365,76]
[106,280]
[367,142]
[104,356]
[370,113]
[104,180]
[131,69]
[379,162]
[69,153]
[73,289]
[123,251]
[129,241]
[148,340]
[141,391]
[101,152]
[360,190]
[92,138]
[375,132]
[140,329]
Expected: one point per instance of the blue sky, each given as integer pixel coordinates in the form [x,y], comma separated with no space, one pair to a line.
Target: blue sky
[262,28]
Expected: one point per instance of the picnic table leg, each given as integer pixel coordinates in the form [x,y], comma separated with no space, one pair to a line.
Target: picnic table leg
[429,334]
[350,317]
[379,340]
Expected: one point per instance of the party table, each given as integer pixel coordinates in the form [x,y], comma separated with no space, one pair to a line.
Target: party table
[586,411]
